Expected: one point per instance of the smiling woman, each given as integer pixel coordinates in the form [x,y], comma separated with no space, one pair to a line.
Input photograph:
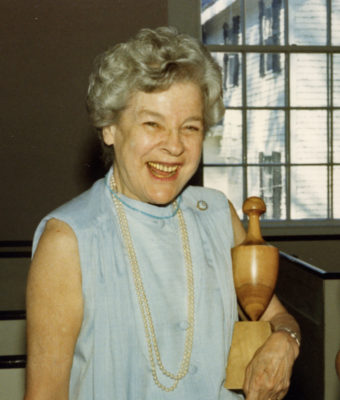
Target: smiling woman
[157,143]
[130,292]
[152,62]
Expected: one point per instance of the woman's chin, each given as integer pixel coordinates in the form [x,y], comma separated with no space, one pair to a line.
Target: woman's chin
[162,198]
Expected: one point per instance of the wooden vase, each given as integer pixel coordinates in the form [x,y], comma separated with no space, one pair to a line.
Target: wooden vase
[255,270]
[255,264]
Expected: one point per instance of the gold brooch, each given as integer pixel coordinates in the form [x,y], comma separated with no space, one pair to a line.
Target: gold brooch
[202,205]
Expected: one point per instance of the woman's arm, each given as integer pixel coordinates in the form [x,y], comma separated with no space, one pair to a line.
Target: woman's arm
[54,313]
[238,229]
[283,323]
[268,374]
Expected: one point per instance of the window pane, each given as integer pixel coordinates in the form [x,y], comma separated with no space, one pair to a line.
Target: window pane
[265,22]
[336,80]
[265,79]
[307,22]
[336,195]
[268,182]
[336,138]
[336,22]
[221,22]
[308,109]
[308,136]
[223,143]
[308,85]
[231,65]
[228,180]
[308,192]
[266,136]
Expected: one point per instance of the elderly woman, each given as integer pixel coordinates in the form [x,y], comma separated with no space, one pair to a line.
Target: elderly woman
[130,292]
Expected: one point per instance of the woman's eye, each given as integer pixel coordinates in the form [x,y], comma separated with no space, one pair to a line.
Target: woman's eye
[192,128]
[151,124]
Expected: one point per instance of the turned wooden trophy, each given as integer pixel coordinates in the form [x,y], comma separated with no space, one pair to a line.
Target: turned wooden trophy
[255,270]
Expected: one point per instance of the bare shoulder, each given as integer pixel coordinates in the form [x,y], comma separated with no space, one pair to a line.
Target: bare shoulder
[56,257]
[57,234]
[239,232]
[55,269]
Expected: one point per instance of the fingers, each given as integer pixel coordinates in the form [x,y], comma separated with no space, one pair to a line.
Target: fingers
[268,374]
[265,395]
[267,384]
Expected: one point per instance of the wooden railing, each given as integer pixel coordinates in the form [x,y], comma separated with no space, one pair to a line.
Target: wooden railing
[14,263]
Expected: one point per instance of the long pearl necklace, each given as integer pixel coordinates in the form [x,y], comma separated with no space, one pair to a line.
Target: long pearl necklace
[149,329]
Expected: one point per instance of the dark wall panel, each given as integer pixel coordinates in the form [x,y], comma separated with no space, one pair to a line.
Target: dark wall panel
[48,152]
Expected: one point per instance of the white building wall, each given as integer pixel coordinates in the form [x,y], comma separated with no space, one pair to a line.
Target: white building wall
[266,129]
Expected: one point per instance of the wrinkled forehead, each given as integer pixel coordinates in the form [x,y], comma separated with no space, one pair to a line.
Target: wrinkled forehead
[180,98]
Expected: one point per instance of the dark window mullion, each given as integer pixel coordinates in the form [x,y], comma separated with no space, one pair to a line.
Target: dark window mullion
[244,106]
[287,114]
[330,134]
[243,19]
[244,126]
[250,48]
[265,164]
[329,22]
[286,23]
[287,138]
[330,71]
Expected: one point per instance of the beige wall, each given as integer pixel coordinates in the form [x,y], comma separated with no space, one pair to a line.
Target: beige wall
[324,254]
[48,153]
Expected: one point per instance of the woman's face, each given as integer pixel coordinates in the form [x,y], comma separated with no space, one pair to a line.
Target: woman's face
[158,143]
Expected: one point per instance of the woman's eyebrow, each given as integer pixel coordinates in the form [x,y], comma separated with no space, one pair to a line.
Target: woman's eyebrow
[149,113]
[153,114]
[194,118]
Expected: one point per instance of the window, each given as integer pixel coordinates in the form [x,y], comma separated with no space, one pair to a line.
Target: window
[280,137]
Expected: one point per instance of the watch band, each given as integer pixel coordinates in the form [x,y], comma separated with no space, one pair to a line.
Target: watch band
[291,333]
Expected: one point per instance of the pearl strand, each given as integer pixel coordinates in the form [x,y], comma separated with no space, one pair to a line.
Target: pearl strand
[149,329]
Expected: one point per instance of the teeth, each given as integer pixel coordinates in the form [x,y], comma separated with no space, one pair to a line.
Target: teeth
[162,167]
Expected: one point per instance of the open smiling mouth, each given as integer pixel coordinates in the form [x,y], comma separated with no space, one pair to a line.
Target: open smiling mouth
[162,170]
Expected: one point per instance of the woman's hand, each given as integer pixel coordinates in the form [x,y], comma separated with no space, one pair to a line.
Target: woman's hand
[268,374]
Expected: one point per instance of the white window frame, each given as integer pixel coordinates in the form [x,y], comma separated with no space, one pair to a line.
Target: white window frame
[185,15]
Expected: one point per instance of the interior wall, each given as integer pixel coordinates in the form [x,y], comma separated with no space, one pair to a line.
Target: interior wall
[48,152]
[323,254]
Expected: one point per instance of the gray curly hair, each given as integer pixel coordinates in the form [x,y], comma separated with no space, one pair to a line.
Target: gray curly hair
[152,61]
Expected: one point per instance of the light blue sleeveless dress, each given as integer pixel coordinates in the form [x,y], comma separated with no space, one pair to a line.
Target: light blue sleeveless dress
[111,358]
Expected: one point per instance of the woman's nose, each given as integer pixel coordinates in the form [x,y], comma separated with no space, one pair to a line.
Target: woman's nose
[173,142]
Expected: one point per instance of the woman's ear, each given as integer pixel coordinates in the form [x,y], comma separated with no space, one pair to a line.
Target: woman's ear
[109,133]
